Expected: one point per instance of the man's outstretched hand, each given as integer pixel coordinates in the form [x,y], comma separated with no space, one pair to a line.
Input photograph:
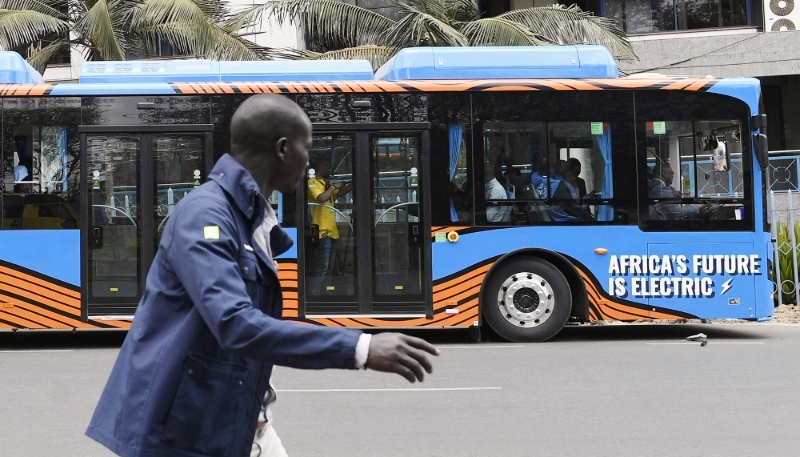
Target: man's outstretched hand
[401,354]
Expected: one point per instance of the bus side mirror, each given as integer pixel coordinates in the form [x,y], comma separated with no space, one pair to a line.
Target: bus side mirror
[762,150]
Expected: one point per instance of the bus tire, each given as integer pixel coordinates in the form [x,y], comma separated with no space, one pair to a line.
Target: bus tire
[527,299]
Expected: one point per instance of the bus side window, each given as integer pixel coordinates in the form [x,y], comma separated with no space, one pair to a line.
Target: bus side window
[554,172]
[694,172]
[39,162]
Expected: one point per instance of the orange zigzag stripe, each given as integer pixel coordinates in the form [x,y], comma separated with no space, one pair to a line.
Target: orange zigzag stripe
[667,83]
[459,293]
[608,309]
[33,302]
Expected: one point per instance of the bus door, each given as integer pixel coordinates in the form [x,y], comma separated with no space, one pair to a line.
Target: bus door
[366,243]
[132,178]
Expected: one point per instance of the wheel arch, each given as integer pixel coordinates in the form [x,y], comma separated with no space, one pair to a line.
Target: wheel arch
[580,302]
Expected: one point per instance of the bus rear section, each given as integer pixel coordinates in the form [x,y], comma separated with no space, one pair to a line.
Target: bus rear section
[670,222]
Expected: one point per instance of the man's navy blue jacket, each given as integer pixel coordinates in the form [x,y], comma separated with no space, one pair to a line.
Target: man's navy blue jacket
[195,366]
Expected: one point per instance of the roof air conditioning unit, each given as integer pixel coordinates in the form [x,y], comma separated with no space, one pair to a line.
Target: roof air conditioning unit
[781,15]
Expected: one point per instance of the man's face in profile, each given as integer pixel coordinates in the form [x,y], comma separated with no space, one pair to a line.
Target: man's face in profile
[667,175]
[295,160]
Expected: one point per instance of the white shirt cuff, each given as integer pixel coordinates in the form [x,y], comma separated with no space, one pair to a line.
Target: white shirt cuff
[362,350]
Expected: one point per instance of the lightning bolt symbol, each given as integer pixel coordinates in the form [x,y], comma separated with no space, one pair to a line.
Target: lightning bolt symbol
[726,286]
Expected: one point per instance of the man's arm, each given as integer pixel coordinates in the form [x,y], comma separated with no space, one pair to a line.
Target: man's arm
[207,263]
[204,254]
[343,189]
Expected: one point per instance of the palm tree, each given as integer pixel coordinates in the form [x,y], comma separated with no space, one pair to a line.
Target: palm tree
[338,30]
[116,29]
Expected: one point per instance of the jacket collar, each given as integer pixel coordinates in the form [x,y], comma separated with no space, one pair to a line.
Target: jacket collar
[237,182]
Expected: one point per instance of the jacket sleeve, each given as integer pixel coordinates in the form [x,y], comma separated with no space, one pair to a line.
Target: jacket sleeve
[203,253]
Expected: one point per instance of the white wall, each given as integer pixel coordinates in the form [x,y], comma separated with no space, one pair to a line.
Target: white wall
[272,35]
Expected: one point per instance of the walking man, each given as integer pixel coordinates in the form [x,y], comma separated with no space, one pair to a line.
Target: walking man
[192,373]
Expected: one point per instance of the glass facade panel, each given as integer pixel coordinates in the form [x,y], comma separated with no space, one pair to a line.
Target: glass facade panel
[649,16]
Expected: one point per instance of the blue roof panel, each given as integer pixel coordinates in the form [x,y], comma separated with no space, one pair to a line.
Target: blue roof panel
[746,89]
[174,71]
[15,70]
[296,70]
[500,62]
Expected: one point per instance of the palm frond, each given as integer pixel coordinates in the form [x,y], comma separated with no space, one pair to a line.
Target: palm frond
[243,19]
[222,46]
[23,27]
[215,10]
[152,13]
[376,55]
[569,25]
[97,28]
[499,32]
[34,5]
[418,28]
[435,8]
[465,10]
[230,46]
[328,24]
[39,60]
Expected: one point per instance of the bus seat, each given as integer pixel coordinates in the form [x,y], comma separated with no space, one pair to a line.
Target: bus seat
[537,213]
[538,209]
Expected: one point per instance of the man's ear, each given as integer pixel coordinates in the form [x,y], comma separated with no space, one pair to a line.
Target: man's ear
[280,148]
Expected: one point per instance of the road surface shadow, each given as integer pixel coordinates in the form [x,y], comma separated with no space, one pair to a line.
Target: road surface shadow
[61,339]
[64,339]
[646,332]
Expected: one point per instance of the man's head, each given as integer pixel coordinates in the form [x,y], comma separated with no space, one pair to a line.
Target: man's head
[270,137]
[322,167]
[574,166]
[664,172]
[543,166]
[488,171]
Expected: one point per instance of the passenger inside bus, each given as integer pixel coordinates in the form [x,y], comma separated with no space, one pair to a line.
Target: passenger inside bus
[575,167]
[554,181]
[322,193]
[660,188]
[511,178]
[494,192]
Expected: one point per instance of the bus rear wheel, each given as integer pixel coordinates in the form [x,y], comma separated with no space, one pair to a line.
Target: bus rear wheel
[527,299]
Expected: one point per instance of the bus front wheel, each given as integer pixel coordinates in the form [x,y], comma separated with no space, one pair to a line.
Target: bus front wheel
[527,299]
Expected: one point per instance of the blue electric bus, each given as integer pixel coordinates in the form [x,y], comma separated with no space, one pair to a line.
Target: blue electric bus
[522,188]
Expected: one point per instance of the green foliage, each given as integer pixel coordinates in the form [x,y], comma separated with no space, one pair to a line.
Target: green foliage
[349,30]
[116,29]
[786,260]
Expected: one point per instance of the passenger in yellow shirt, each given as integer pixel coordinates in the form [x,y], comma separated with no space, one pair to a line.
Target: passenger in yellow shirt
[323,192]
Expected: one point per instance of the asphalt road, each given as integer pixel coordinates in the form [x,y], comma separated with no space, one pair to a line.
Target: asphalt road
[616,390]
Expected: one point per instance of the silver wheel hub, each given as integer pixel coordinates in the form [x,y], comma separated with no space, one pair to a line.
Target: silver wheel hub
[526,300]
